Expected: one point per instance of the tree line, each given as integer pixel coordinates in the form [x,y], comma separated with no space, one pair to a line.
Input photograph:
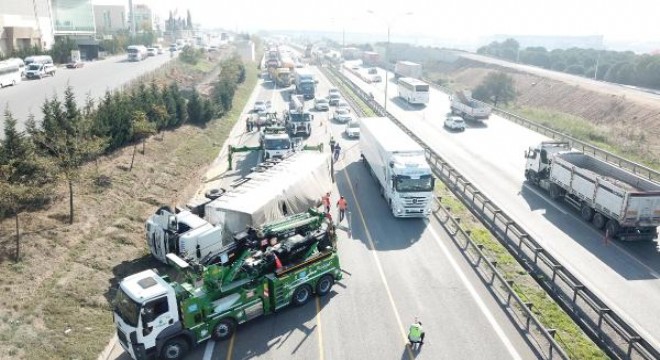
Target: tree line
[34,160]
[623,67]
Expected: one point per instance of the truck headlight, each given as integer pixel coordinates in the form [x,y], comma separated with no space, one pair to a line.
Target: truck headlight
[399,211]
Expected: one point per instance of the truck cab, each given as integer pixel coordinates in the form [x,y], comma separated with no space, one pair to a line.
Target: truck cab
[539,158]
[146,316]
[276,143]
[412,185]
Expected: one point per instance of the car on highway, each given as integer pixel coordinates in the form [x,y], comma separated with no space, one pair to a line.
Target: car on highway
[75,64]
[455,123]
[152,51]
[261,106]
[342,115]
[321,104]
[352,129]
[38,71]
[342,104]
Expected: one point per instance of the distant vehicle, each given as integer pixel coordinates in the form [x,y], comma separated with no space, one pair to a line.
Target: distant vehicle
[261,106]
[342,116]
[352,129]
[174,48]
[407,69]
[152,51]
[464,105]
[334,97]
[342,104]
[454,123]
[38,59]
[370,58]
[136,52]
[10,73]
[75,64]
[159,49]
[38,71]
[213,48]
[321,104]
[19,62]
[334,91]
[413,91]
[305,83]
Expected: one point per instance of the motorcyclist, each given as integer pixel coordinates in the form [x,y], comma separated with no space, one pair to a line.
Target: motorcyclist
[416,333]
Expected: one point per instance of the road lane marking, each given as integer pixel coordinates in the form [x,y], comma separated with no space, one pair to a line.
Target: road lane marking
[230,348]
[379,266]
[318,325]
[208,351]
[482,306]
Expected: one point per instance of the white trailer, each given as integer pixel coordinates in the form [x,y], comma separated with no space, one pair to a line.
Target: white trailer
[136,52]
[463,105]
[399,166]
[291,186]
[407,69]
[625,205]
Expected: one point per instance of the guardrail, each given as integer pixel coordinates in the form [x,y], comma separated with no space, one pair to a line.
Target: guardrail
[605,327]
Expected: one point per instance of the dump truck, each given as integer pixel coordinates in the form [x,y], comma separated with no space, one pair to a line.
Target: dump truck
[155,316]
[399,166]
[463,105]
[407,69]
[205,225]
[297,119]
[623,204]
[283,77]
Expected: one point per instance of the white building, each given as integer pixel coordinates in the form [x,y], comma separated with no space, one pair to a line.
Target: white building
[24,24]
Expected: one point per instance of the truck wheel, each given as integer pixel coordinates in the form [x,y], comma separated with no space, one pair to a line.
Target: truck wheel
[301,295]
[599,220]
[224,329]
[324,285]
[174,349]
[612,228]
[587,213]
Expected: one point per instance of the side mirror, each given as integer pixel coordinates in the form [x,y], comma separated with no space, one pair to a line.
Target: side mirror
[526,154]
[172,224]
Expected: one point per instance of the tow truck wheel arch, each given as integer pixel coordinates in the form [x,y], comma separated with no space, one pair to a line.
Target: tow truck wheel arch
[173,332]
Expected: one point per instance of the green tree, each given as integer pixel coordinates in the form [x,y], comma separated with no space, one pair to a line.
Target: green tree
[497,87]
[142,129]
[195,109]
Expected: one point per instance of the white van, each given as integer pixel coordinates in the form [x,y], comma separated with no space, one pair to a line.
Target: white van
[19,62]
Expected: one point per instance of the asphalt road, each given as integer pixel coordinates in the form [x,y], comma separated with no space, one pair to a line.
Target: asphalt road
[490,155]
[94,79]
[394,270]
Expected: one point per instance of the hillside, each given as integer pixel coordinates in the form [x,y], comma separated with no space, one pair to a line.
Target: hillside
[620,120]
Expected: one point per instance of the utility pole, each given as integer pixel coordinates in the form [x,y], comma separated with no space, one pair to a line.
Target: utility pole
[131,17]
[387,61]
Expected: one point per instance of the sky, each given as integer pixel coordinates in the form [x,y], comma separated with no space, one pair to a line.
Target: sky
[631,20]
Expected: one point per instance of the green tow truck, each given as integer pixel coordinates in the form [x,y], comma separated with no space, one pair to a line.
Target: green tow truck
[158,317]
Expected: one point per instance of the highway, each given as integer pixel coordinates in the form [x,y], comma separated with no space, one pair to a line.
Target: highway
[94,79]
[490,156]
[394,270]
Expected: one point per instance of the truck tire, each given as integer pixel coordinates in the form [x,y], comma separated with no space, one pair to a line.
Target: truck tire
[555,192]
[174,349]
[599,220]
[324,285]
[612,227]
[586,213]
[301,295]
[224,329]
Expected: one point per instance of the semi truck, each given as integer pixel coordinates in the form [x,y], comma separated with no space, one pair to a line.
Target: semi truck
[407,69]
[305,83]
[155,316]
[136,52]
[622,203]
[399,166]
[205,225]
[297,119]
[463,105]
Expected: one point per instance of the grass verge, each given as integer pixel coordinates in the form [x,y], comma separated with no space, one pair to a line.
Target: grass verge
[55,304]
[574,341]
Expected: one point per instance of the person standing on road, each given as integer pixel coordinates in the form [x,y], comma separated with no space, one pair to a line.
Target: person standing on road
[325,199]
[248,124]
[342,205]
[416,333]
[332,144]
[337,151]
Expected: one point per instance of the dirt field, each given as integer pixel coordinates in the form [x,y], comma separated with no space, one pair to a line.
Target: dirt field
[624,121]
[55,303]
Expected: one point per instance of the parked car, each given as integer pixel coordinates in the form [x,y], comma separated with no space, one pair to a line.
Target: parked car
[321,104]
[38,71]
[455,123]
[75,64]
[342,115]
[261,105]
[352,129]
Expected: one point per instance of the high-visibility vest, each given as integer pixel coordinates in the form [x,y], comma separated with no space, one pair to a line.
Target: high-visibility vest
[415,332]
[342,204]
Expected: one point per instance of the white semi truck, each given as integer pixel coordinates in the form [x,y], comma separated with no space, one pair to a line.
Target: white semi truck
[293,185]
[625,205]
[463,105]
[399,165]
[407,69]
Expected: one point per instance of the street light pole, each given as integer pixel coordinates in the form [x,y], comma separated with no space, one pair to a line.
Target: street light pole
[387,60]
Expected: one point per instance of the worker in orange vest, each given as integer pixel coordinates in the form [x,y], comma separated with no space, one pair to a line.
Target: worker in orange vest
[325,199]
[342,205]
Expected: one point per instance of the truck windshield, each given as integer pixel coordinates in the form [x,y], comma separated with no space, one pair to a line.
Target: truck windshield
[34,67]
[299,117]
[406,184]
[277,144]
[307,86]
[132,51]
[127,309]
